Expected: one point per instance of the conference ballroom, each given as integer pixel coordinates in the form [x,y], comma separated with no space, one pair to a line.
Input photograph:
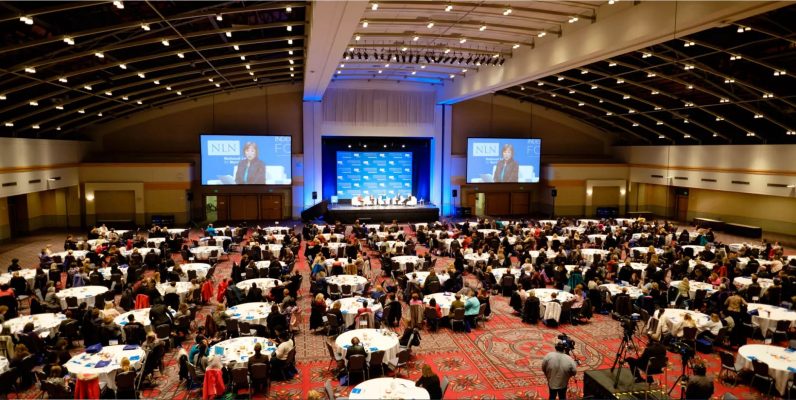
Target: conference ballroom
[397,199]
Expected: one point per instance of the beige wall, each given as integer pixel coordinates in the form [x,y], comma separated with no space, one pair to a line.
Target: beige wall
[772,213]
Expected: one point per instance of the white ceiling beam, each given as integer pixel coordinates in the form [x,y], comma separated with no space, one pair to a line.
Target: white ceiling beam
[332,25]
[619,29]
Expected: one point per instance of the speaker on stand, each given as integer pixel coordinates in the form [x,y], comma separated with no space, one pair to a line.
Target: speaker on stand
[314,198]
[553,194]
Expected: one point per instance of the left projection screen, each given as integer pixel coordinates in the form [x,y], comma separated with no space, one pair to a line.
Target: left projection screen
[246,160]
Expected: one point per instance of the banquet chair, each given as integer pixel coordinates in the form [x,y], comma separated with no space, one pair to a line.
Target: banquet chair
[244,328]
[356,365]
[333,327]
[334,291]
[402,360]
[430,315]
[239,377]
[194,378]
[163,333]
[728,364]
[655,366]
[781,330]
[457,320]
[689,336]
[346,291]
[125,386]
[761,372]
[415,316]
[261,376]
[191,274]
[376,362]
[481,315]
[334,358]
[71,303]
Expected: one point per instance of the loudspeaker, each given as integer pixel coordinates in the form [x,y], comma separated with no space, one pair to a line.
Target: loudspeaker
[315,195]
[554,192]
[455,193]
[189,196]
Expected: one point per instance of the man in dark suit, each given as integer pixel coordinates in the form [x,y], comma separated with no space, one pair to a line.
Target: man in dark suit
[507,169]
[355,349]
[654,349]
[254,294]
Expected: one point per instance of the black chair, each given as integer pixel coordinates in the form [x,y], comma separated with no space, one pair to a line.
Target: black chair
[125,385]
[163,333]
[240,379]
[71,303]
[781,330]
[457,320]
[728,365]
[8,381]
[261,376]
[376,363]
[430,315]
[70,330]
[356,365]
[403,360]
[194,377]
[761,372]
[655,366]
[26,379]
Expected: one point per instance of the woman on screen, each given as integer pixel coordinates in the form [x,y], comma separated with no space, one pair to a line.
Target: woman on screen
[507,169]
[251,170]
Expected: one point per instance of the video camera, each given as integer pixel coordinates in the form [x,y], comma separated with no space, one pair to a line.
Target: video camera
[566,343]
[629,324]
[685,351]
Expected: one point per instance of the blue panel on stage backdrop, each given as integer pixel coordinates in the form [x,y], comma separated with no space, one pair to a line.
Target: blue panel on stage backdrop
[373,173]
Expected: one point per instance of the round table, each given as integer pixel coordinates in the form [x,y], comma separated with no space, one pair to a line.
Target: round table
[499,272]
[329,262]
[200,269]
[585,222]
[274,248]
[156,240]
[546,295]
[265,284]
[350,305]
[423,275]
[446,243]
[83,294]
[141,315]
[203,252]
[239,349]
[588,254]
[176,231]
[93,243]
[85,363]
[535,254]
[697,249]
[444,300]
[277,229]
[473,258]
[593,238]
[28,273]
[544,222]
[77,254]
[253,313]
[633,291]
[780,361]
[219,239]
[372,340]
[3,364]
[768,316]
[140,250]
[46,324]
[673,316]
[738,246]
[402,260]
[645,250]
[743,282]
[388,388]
[183,289]
[357,282]
[391,244]
[106,272]
[329,236]
[693,286]
[487,232]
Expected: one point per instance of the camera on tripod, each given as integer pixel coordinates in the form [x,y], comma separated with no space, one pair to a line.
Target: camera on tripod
[629,324]
[685,351]
[566,343]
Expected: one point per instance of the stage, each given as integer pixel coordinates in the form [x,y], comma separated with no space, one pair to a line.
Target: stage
[599,384]
[347,213]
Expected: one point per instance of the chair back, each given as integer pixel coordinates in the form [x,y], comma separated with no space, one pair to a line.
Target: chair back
[356,363]
[689,333]
[458,313]
[125,380]
[376,358]
[191,274]
[760,368]
[434,287]
[656,365]
[259,371]
[782,326]
[240,376]
[403,357]
[346,290]
[163,331]
[71,302]
[727,359]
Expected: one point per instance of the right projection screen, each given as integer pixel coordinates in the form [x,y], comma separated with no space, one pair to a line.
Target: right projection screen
[503,160]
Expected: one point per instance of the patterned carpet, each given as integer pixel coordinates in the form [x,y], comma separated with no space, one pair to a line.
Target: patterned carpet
[501,361]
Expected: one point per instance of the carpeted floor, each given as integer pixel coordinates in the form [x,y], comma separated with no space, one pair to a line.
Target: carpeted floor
[500,361]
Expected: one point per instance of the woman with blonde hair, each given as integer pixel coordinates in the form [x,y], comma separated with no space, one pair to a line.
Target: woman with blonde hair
[110,310]
[430,381]
[317,311]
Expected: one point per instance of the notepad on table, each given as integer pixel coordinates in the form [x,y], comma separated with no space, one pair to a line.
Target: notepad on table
[101,364]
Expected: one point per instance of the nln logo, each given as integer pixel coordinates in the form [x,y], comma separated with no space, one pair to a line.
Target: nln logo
[486,149]
[223,147]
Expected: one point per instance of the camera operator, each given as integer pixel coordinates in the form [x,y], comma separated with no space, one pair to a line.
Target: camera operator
[558,368]
[699,386]
[654,349]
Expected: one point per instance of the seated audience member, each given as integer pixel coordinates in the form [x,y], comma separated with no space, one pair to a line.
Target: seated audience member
[430,381]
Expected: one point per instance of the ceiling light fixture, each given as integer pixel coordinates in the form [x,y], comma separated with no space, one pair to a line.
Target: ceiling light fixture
[592,87]
[26,19]
[141,75]
[81,111]
[482,28]
[560,78]
[289,9]
[651,75]
[218,85]
[516,46]
[646,55]
[289,28]
[9,124]
[229,33]
[87,87]
[448,8]
[416,38]
[654,92]
[430,25]
[609,114]
[688,43]
[70,41]
[139,102]
[180,55]
[35,126]
[462,40]
[123,66]
[635,124]
[374,6]
[584,72]
[34,103]
[612,64]
[168,87]
[620,81]
[659,123]
[779,72]
[290,41]
[125,98]
[365,24]
[219,17]
[243,58]
[179,93]
[118,4]
[581,104]
[156,82]
[165,42]
[735,57]
[63,79]
[507,11]
[145,27]
[290,61]
[99,54]
[573,20]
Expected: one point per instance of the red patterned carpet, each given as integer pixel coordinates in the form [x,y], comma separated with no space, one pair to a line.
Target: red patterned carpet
[500,361]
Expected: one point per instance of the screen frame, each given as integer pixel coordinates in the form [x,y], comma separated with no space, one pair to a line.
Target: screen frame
[201,169]
[467,160]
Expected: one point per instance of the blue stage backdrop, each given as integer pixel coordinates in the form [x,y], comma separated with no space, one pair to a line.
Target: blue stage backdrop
[402,167]
[372,173]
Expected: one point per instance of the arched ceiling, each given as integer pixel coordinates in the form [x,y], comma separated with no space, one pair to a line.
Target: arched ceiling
[731,84]
[66,65]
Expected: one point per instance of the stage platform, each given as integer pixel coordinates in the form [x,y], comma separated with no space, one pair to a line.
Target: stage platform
[347,213]
[599,384]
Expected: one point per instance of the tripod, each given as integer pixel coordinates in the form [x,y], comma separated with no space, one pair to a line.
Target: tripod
[571,353]
[621,354]
[683,378]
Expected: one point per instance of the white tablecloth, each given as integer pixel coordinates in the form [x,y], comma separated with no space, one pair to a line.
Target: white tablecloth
[436,234]
[277,229]
[274,248]
[253,313]
[350,305]
[3,364]
[267,264]
[444,300]
[422,275]
[200,268]
[357,282]
[28,273]
[84,363]
[621,221]
[593,238]
[487,232]
[46,324]
[156,240]
[402,260]
[388,388]
[92,243]
[372,340]
[645,250]
[219,240]
[265,284]
[499,272]
[329,262]
[84,294]
[78,254]
[673,316]
[329,236]
[176,231]
[693,286]
[569,229]
[615,289]
[552,222]
[446,243]
[697,249]
[737,246]
[183,288]
[240,349]
[535,254]
[769,315]
[742,261]
[473,258]
[584,222]
[141,315]
[546,295]
[203,252]
[391,244]
[143,251]
[781,362]
[106,272]
[742,282]
[588,254]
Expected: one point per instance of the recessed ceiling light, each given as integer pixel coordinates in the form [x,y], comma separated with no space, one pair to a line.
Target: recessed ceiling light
[448,8]
[609,113]
[243,58]
[292,75]
[87,87]
[646,55]
[145,27]
[290,41]
[654,92]
[141,75]
[248,66]
[156,82]
[35,126]
[139,102]
[289,28]
[374,6]
[70,41]
[63,79]
[482,28]
[218,85]
[109,93]
[581,104]
[560,78]
[573,20]
[179,93]
[516,46]
[99,54]
[9,124]
[404,48]
[291,61]
[464,70]
[180,55]
[635,124]
[357,37]
[236,47]
[26,19]
[30,70]
[219,17]
[507,11]
[571,91]
[229,33]
[34,103]
[659,123]
[612,64]
[584,72]
[539,84]
[118,4]
[414,72]
[451,76]
[430,25]
[620,81]
[541,34]
[81,111]
[99,114]
[447,51]
[365,24]
[123,66]
[462,40]
[168,87]
[164,42]
[416,38]
[289,9]
[125,98]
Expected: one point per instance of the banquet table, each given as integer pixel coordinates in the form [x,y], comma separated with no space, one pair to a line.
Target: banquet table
[46,325]
[3,364]
[546,295]
[487,232]
[584,222]
[621,221]
[781,362]
[738,246]
[444,300]
[183,289]
[388,388]
[329,236]
[357,282]
[389,235]
[693,286]
[392,244]
[83,294]
[239,349]
[267,264]
[693,263]
[373,340]
[552,222]
[106,272]
[277,229]
[28,273]
[743,282]
[535,254]
[253,313]
[219,240]
[593,238]
[673,316]
[471,223]
[423,275]
[402,260]
[274,248]
[645,250]
[437,234]
[350,305]
[768,316]
[203,252]
[329,262]
[78,254]
[110,357]
[473,258]
[92,243]
[156,240]
[376,227]
[697,249]
[200,269]
[446,243]
[265,284]
[142,250]
[742,261]
[588,254]
[499,272]
[176,231]
[570,229]
[633,291]
[141,315]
